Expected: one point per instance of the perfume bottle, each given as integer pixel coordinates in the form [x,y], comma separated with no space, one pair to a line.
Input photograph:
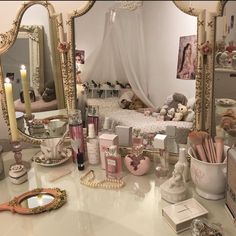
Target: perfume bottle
[92,146]
[85,144]
[76,133]
[106,127]
[80,160]
[93,117]
[113,163]
[162,170]
[172,145]
[136,137]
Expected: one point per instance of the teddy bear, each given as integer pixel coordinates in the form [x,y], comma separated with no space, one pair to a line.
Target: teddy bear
[181,111]
[228,122]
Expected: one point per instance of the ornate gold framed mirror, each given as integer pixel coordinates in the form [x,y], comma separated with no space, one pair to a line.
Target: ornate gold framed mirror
[225,72]
[205,62]
[46,61]
[36,201]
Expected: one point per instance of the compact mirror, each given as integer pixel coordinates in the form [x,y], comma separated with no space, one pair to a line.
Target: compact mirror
[36,201]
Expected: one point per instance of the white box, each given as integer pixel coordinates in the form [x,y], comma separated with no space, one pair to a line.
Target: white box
[124,135]
[160,141]
[180,215]
[105,141]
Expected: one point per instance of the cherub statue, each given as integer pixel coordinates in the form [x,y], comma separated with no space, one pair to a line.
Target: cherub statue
[177,180]
[174,189]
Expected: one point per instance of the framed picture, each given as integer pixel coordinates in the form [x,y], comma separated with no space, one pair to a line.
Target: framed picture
[187,58]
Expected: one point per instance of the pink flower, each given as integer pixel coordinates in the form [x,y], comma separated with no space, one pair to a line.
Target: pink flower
[206,48]
[63,47]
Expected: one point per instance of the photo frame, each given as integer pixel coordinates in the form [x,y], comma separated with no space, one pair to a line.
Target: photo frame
[187,57]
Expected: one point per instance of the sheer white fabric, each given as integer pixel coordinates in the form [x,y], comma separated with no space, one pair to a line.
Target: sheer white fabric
[121,56]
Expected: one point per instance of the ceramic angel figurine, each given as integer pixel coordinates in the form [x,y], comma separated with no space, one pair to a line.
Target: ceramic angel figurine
[174,189]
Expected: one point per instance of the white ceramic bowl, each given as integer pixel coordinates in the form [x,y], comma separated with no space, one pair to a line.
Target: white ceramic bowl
[209,178]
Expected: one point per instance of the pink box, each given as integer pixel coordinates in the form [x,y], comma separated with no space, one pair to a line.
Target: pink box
[105,141]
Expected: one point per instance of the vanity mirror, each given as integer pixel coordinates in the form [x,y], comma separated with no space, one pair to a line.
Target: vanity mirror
[112,54]
[225,71]
[36,201]
[33,42]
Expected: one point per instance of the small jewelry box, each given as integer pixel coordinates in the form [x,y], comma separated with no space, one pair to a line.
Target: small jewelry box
[18,174]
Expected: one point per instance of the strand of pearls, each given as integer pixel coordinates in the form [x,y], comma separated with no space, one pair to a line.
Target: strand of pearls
[89,180]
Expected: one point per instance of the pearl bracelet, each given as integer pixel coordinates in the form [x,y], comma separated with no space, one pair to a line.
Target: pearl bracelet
[89,180]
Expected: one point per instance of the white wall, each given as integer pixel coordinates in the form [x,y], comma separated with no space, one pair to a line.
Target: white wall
[164,23]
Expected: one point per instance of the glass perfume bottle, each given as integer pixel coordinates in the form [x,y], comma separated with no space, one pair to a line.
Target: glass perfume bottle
[171,145]
[93,117]
[76,133]
[113,163]
[92,146]
[136,137]
[162,170]
[106,127]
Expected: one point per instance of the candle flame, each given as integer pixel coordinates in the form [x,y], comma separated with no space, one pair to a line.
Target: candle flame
[7,80]
[22,67]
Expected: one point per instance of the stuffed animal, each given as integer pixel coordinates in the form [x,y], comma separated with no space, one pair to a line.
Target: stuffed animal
[176,99]
[228,122]
[189,116]
[170,114]
[181,111]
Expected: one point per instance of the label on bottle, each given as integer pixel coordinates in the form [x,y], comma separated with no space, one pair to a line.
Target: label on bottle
[111,165]
[93,151]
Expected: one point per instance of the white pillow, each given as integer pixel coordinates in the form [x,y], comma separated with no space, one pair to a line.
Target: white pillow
[191,103]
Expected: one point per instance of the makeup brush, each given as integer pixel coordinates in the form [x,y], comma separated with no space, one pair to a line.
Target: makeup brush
[212,148]
[205,144]
[196,139]
[219,143]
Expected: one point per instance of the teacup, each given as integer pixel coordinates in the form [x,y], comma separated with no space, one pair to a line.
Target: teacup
[51,149]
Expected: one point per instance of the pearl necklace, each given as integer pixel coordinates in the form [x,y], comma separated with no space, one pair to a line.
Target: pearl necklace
[89,180]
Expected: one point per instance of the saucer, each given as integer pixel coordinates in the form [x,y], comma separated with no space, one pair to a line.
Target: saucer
[226,102]
[40,159]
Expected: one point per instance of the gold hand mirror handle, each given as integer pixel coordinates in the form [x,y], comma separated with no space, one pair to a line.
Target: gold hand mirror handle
[36,201]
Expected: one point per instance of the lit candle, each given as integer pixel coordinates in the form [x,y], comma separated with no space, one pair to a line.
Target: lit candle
[11,110]
[25,86]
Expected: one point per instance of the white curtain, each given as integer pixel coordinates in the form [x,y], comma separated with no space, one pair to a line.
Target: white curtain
[121,56]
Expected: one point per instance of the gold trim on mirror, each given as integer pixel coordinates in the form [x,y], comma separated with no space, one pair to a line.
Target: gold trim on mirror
[7,40]
[69,81]
[58,199]
[205,62]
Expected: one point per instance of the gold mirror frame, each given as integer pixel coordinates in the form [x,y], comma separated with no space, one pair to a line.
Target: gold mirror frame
[14,205]
[205,106]
[7,40]
[70,89]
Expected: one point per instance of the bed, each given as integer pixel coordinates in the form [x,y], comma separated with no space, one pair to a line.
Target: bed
[109,107]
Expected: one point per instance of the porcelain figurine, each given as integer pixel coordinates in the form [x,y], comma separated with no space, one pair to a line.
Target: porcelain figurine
[174,189]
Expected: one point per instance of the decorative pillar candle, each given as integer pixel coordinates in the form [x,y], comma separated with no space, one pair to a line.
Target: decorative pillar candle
[11,110]
[25,86]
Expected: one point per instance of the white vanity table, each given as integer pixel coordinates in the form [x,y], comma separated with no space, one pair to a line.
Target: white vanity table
[134,210]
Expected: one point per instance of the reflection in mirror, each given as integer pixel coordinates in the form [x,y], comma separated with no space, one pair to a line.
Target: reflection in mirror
[143,52]
[39,200]
[35,48]
[225,73]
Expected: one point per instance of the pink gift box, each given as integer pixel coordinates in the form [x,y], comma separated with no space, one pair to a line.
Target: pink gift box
[105,141]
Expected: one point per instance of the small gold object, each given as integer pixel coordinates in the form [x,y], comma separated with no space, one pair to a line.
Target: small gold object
[89,180]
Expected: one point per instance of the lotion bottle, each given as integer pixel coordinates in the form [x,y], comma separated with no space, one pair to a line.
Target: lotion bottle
[92,146]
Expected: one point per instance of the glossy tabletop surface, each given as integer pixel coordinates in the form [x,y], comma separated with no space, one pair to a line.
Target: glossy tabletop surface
[134,210]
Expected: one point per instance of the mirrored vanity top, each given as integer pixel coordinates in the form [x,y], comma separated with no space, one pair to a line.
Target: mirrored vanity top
[134,210]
